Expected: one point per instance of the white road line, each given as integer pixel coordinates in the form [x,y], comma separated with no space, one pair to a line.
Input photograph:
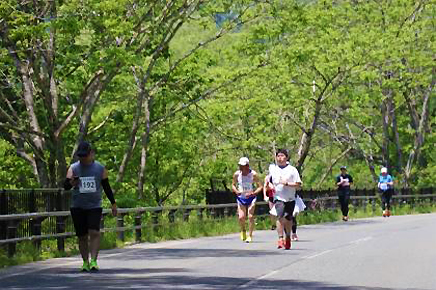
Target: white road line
[361,240]
[248,284]
[255,280]
[318,254]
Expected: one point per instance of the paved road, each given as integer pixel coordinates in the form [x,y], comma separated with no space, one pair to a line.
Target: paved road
[392,253]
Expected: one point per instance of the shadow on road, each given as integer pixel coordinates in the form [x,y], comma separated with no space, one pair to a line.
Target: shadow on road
[181,253]
[352,222]
[126,278]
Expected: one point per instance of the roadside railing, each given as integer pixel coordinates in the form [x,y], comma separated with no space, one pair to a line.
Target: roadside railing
[35,227]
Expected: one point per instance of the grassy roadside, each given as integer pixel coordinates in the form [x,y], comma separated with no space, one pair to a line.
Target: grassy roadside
[196,227]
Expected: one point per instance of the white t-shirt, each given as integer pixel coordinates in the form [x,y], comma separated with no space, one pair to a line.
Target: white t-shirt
[286,174]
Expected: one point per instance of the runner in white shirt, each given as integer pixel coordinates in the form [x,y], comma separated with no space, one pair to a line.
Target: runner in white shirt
[286,180]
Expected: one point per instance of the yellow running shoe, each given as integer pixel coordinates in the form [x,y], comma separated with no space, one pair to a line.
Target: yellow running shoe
[243,236]
[249,239]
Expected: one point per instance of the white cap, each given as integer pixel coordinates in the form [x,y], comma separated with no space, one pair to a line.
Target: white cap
[384,170]
[243,161]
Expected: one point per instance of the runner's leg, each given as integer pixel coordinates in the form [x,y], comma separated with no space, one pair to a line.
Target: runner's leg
[84,247]
[383,201]
[294,225]
[346,203]
[94,218]
[94,243]
[272,218]
[280,209]
[242,215]
[294,236]
[80,222]
[251,209]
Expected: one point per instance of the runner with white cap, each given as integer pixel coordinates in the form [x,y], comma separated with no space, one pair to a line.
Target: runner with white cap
[386,188]
[244,182]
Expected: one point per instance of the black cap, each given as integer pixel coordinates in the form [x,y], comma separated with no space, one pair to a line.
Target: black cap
[84,149]
[343,167]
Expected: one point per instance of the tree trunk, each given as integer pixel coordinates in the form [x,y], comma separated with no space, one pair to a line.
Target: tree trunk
[306,137]
[396,135]
[144,144]
[420,133]
[385,143]
[141,98]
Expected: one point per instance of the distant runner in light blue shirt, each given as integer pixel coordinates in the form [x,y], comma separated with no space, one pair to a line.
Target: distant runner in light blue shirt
[386,188]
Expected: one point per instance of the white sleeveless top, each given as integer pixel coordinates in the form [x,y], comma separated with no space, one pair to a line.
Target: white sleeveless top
[245,183]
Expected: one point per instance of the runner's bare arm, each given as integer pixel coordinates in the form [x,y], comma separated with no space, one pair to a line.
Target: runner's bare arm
[265,187]
[293,184]
[258,183]
[234,182]
[70,173]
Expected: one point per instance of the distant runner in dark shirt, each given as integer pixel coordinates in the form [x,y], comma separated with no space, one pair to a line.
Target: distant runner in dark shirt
[344,181]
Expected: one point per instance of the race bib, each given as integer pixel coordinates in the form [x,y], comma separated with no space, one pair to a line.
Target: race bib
[245,187]
[383,186]
[346,182]
[87,184]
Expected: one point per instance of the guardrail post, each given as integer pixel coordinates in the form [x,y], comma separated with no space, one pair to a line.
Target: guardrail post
[35,225]
[365,205]
[3,211]
[59,199]
[200,213]
[355,203]
[138,225]
[226,212]
[155,220]
[60,228]
[333,203]
[11,234]
[172,215]
[374,200]
[186,213]
[120,224]
[60,221]
[213,213]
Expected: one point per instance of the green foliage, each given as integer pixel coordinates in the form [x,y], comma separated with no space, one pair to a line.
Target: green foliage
[203,114]
[14,172]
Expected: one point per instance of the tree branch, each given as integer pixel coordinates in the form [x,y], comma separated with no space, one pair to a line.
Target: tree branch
[98,127]
[204,96]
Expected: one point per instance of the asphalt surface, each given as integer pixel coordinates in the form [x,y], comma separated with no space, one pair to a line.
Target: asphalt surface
[378,253]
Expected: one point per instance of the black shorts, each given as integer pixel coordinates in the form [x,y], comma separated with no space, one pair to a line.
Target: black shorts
[86,219]
[284,209]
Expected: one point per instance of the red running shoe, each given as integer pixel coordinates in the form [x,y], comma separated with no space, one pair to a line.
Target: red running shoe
[280,244]
[288,243]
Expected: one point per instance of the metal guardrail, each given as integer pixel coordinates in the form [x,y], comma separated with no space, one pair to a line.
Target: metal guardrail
[14,201]
[47,225]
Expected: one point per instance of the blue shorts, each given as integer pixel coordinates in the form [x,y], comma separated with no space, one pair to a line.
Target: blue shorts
[246,201]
